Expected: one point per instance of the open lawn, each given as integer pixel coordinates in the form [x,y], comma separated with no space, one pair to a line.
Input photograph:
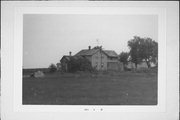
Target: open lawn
[126,88]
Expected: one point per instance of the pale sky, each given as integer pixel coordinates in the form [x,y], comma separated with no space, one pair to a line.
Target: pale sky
[46,38]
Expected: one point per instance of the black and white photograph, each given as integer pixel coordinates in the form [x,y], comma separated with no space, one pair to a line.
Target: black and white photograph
[90,59]
[87,60]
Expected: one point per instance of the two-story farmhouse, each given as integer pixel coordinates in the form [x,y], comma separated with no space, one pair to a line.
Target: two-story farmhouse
[100,59]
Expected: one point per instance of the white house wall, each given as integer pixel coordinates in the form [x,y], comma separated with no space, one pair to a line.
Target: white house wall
[99,59]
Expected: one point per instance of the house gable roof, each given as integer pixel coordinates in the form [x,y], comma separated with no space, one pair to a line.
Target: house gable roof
[87,52]
[111,53]
[67,57]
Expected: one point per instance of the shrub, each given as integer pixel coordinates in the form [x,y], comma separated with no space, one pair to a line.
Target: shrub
[79,64]
[52,68]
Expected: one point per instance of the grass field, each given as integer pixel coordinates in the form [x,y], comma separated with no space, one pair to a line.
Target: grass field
[126,88]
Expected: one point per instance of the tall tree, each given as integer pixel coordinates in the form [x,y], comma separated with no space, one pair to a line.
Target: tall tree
[134,45]
[123,57]
[155,53]
[143,49]
[148,50]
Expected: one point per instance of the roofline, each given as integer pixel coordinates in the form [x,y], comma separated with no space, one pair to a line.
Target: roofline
[110,56]
[87,55]
[65,57]
[96,52]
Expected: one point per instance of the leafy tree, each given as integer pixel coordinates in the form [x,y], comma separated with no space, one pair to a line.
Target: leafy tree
[155,53]
[79,64]
[134,46]
[123,57]
[143,49]
[148,50]
[52,68]
[84,64]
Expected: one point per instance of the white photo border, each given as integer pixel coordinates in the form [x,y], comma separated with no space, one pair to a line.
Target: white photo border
[18,50]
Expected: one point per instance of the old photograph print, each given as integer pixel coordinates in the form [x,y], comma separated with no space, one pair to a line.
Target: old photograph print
[79,59]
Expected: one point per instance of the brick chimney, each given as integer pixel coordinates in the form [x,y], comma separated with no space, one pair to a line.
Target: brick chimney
[89,47]
[70,53]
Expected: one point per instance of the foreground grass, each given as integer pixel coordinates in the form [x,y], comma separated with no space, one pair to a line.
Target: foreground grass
[86,89]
